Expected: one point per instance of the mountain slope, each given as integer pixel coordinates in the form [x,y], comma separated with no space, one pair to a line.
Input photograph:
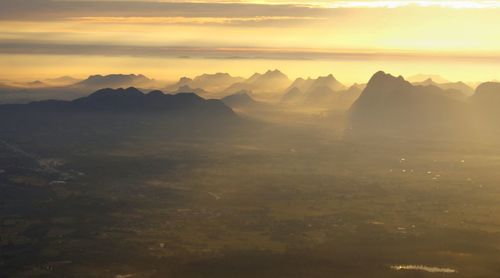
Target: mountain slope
[240,99]
[318,95]
[485,103]
[391,103]
[292,95]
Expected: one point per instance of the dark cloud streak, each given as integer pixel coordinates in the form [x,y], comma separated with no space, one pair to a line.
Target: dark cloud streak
[35,48]
[24,10]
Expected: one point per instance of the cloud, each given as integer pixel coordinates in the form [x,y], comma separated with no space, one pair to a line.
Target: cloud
[262,21]
[266,53]
[30,10]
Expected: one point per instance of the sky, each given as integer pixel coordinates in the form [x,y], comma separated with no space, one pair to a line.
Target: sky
[168,39]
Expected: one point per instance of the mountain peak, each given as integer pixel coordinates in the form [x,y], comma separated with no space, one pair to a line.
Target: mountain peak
[327,78]
[382,78]
[274,74]
[380,75]
[254,77]
[184,80]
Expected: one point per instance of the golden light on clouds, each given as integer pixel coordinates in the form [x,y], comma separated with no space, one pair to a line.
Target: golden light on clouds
[185,20]
[461,4]
[202,33]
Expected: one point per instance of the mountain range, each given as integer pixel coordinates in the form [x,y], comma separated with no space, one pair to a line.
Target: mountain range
[422,77]
[61,81]
[485,103]
[110,115]
[268,85]
[209,83]
[127,100]
[385,103]
[461,90]
[324,91]
[68,88]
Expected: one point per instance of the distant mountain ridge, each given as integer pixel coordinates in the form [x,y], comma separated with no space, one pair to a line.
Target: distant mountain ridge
[62,81]
[422,77]
[209,83]
[68,88]
[268,85]
[115,81]
[462,88]
[321,91]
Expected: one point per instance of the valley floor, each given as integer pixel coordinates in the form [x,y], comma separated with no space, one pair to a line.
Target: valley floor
[274,202]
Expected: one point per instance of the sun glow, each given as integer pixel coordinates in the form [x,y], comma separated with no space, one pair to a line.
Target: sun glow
[463,4]
[300,31]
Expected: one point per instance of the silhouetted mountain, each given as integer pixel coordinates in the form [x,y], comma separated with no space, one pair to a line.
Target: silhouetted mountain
[115,81]
[128,100]
[486,102]
[391,103]
[214,83]
[487,94]
[109,116]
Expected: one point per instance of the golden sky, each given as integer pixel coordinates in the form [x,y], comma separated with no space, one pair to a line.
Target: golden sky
[167,39]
